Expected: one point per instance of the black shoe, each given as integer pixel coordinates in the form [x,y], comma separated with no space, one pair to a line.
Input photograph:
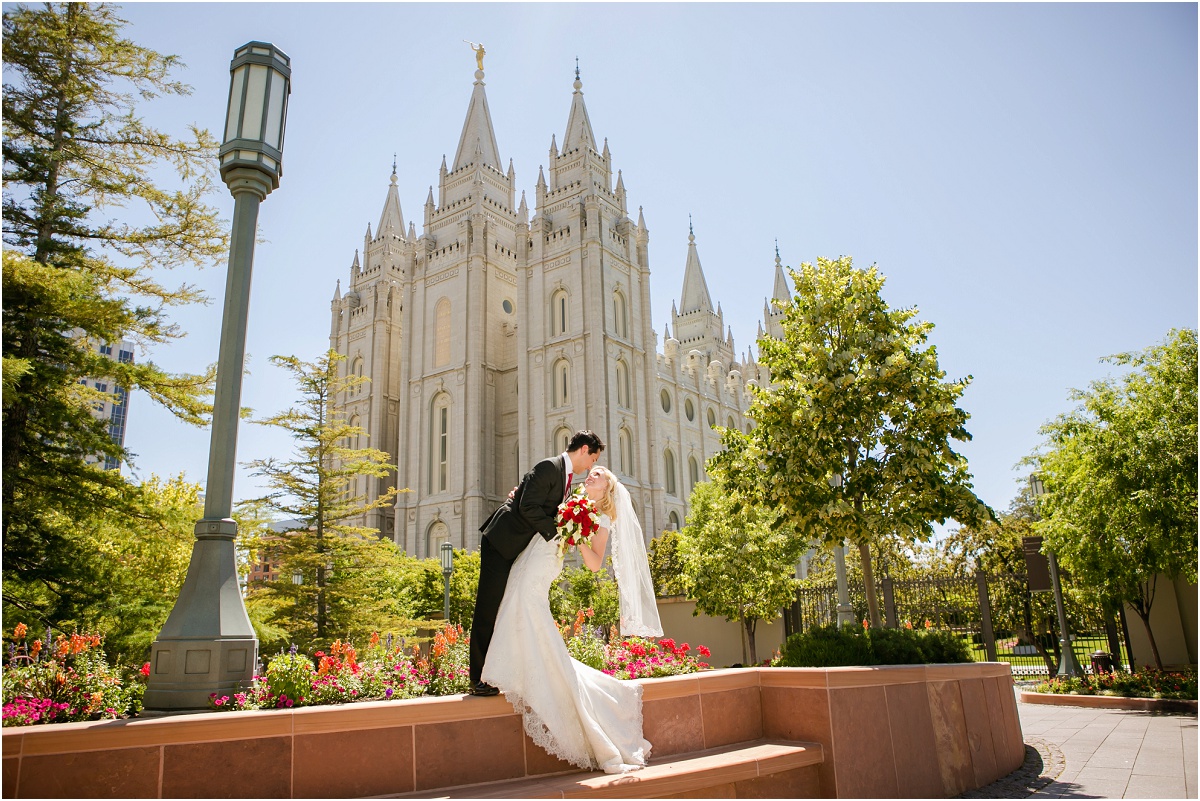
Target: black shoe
[483,689]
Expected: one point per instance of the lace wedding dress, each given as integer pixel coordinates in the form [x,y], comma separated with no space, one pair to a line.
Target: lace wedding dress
[574,712]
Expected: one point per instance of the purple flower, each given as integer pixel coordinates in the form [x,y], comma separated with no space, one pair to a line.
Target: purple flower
[388,694]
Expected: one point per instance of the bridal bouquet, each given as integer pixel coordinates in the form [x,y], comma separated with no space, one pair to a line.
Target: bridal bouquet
[577,521]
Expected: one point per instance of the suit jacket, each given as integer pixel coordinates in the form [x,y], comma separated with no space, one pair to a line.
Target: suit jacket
[532,509]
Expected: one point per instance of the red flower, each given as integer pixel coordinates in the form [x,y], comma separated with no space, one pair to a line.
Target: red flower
[146,669]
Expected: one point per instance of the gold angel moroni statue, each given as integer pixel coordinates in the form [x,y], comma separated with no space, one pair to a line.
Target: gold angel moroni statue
[479,52]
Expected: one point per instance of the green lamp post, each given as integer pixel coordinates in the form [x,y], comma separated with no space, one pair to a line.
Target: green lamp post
[207,644]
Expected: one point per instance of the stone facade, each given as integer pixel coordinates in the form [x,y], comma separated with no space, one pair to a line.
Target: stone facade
[493,334]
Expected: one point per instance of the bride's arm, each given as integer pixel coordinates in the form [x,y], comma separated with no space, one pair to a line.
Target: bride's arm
[593,554]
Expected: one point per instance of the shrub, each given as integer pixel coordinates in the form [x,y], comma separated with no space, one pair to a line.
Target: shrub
[635,658]
[585,643]
[829,646]
[896,647]
[826,646]
[943,646]
[1143,684]
[289,679]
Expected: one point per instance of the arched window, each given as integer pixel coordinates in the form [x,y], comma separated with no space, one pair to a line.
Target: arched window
[560,383]
[689,409]
[669,471]
[625,452]
[562,438]
[674,518]
[623,384]
[712,418]
[693,472]
[558,313]
[352,441]
[434,537]
[665,399]
[441,333]
[620,314]
[729,422]
[356,370]
[439,444]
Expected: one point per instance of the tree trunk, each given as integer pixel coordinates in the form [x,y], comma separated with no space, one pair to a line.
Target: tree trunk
[751,623]
[864,556]
[1145,617]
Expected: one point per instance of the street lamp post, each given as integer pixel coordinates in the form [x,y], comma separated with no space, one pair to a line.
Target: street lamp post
[845,612]
[447,568]
[207,644]
[1068,665]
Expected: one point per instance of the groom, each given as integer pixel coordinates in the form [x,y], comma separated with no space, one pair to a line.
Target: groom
[530,509]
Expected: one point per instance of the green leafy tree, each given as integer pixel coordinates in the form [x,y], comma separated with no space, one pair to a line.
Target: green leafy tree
[855,391]
[139,560]
[666,570]
[463,583]
[1120,473]
[81,169]
[580,589]
[321,487]
[737,565]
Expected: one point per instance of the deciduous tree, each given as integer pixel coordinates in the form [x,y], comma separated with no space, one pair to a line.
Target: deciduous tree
[855,392]
[1120,473]
[736,565]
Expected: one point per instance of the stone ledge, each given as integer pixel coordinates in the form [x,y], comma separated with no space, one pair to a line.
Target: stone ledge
[1110,702]
[685,773]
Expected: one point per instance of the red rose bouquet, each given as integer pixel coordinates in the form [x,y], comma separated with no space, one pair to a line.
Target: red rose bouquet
[577,521]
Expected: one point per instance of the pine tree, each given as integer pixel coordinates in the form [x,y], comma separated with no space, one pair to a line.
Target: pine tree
[322,487]
[75,154]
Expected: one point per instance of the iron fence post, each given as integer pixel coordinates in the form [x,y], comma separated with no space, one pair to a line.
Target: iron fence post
[985,616]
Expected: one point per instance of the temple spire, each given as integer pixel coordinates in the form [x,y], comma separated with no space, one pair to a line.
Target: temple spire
[478,136]
[781,293]
[579,127]
[392,216]
[695,289]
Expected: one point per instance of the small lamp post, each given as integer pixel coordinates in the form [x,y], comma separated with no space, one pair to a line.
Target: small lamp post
[845,612]
[1068,665]
[447,568]
[207,644]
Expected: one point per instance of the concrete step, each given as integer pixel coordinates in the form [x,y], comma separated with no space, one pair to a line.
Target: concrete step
[783,768]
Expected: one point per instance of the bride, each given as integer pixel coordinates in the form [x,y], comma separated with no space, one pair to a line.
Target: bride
[576,713]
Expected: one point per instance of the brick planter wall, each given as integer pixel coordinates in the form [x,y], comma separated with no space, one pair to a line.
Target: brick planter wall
[934,730]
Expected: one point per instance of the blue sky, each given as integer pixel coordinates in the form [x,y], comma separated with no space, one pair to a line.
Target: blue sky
[1024,174]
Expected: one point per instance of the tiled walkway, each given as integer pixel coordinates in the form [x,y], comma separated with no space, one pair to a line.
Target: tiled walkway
[1103,753]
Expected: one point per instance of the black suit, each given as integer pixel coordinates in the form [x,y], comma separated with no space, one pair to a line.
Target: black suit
[506,533]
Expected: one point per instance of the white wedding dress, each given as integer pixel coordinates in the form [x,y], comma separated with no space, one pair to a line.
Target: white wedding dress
[576,713]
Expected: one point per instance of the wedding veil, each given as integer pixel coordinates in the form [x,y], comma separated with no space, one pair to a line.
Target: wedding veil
[639,612]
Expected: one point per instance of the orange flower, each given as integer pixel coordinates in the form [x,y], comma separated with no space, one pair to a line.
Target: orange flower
[908,624]
[36,648]
[866,624]
[19,631]
[928,623]
[374,638]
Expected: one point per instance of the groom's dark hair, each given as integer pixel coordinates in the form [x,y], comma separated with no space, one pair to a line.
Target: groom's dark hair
[585,437]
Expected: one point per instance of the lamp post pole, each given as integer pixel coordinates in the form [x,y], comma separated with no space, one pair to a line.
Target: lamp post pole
[447,568]
[1068,665]
[207,644]
[845,612]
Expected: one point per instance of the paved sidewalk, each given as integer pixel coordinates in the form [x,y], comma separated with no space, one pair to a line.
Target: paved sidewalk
[1109,753]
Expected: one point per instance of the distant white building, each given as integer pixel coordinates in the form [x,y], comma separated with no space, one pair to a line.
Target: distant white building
[494,333]
[115,407]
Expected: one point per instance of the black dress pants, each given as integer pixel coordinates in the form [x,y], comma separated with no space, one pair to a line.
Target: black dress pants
[493,576]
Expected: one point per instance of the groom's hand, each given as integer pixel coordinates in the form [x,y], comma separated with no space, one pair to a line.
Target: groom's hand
[512,493]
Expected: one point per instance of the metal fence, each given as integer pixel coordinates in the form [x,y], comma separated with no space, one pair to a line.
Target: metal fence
[996,615]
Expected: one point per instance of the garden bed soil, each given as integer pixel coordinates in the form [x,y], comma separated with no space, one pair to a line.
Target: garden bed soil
[1109,702]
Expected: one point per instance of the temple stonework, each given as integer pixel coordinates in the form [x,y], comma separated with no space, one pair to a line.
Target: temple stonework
[496,331]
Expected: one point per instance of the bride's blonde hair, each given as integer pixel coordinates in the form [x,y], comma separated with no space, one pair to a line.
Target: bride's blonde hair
[607,503]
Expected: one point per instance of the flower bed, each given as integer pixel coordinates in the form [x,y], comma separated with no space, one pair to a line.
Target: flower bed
[71,680]
[65,680]
[1178,685]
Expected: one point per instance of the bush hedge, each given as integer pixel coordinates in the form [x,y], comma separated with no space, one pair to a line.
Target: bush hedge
[829,646]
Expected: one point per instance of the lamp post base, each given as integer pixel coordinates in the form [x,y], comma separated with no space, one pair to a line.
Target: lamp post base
[207,644]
